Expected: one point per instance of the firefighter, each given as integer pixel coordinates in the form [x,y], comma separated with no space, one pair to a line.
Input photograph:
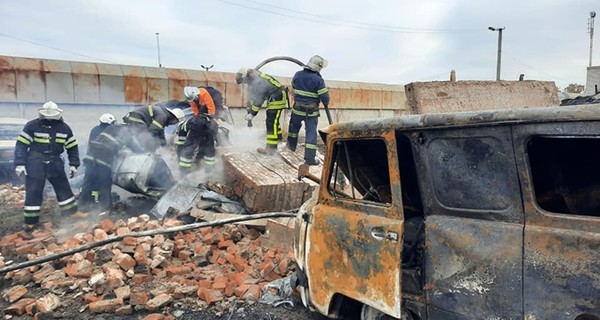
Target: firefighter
[105,120]
[309,91]
[199,131]
[263,87]
[204,100]
[149,124]
[196,141]
[38,156]
[95,195]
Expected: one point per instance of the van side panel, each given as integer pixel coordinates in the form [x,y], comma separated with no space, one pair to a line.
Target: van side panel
[562,245]
[473,222]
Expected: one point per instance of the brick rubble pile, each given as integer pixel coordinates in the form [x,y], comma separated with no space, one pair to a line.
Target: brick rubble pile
[12,196]
[196,268]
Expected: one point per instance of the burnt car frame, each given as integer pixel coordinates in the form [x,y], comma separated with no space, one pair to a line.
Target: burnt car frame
[478,215]
[10,128]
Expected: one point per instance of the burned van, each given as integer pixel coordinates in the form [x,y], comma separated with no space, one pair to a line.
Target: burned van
[479,215]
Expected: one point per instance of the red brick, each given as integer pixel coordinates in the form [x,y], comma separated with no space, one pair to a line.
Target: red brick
[130,241]
[239,264]
[253,293]
[139,278]
[123,293]
[141,255]
[91,297]
[154,316]
[125,261]
[18,308]
[229,289]
[152,225]
[210,296]
[159,301]
[183,291]
[106,225]
[204,231]
[124,310]
[31,309]
[137,298]
[177,270]
[100,234]
[226,244]
[15,293]
[219,284]
[283,266]
[205,284]
[240,290]
[47,303]
[184,255]
[105,305]
[81,269]
[121,231]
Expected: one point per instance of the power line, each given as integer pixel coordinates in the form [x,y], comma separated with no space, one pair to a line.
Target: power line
[53,48]
[272,9]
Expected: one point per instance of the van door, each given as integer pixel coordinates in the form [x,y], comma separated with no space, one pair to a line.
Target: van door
[354,238]
[473,223]
[558,164]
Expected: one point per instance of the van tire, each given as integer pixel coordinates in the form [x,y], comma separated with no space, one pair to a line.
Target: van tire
[370,313]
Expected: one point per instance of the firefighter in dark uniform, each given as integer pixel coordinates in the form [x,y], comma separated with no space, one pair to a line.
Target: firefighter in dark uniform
[149,123]
[95,195]
[263,87]
[309,90]
[38,156]
[199,131]
[106,120]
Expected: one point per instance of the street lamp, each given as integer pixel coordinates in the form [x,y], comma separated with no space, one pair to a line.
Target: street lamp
[158,49]
[499,50]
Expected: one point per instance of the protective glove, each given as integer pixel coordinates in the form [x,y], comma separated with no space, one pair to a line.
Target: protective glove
[249,117]
[20,170]
[72,171]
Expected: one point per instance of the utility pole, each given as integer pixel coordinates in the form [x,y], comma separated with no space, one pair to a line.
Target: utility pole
[498,63]
[591,32]
[158,48]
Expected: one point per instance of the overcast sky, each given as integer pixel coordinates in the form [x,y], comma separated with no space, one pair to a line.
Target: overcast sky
[385,41]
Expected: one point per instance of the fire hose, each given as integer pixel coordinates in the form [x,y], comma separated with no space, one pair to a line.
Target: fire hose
[187,227]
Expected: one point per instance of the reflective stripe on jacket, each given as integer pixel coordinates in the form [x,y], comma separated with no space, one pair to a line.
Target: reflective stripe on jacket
[46,137]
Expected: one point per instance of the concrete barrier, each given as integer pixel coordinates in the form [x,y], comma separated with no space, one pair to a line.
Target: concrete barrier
[453,96]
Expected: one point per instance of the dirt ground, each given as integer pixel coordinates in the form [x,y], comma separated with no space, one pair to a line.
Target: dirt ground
[73,306]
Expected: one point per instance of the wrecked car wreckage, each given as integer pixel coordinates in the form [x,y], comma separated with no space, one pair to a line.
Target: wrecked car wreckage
[475,215]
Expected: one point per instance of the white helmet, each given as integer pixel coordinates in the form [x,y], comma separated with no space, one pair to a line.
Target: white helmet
[241,75]
[50,111]
[191,92]
[316,63]
[178,113]
[108,118]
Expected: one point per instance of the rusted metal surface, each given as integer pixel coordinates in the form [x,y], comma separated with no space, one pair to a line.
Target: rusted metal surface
[343,252]
[490,250]
[562,256]
[343,257]
[474,267]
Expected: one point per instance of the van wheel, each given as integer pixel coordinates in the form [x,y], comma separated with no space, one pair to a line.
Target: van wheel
[369,313]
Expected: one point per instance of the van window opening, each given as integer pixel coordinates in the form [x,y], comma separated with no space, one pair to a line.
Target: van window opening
[466,172]
[360,171]
[565,174]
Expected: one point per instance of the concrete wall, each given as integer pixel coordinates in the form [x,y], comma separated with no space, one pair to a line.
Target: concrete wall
[27,80]
[450,96]
[593,81]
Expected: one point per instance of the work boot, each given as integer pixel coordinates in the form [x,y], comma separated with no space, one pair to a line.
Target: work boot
[267,151]
[79,215]
[313,162]
[29,228]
